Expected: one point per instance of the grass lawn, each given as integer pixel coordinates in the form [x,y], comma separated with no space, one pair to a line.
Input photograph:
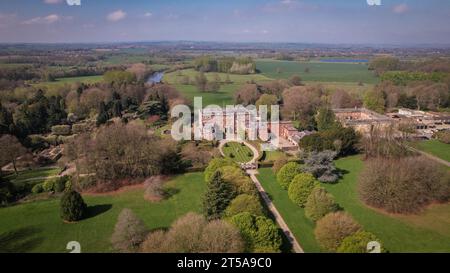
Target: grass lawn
[293,215]
[242,153]
[426,232]
[225,96]
[69,80]
[273,155]
[318,72]
[33,174]
[434,147]
[37,227]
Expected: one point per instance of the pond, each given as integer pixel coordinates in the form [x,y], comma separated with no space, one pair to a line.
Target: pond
[156,77]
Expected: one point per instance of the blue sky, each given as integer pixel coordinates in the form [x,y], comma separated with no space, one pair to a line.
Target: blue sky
[303,21]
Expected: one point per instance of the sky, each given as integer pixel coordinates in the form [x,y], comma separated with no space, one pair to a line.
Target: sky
[402,22]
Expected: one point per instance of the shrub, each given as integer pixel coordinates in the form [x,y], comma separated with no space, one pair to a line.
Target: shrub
[443,136]
[279,163]
[60,183]
[72,206]
[7,191]
[217,197]
[403,185]
[301,187]
[154,190]
[244,203]
[319,204]
[215,164]
[259,232]
[231,155]
[357,242]
[129,232]
[333,228]
[320,164]
[49,185]
[287,173]
[38,188]
[193,234]
[61,130]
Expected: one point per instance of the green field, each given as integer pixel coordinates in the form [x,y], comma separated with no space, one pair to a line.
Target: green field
[318,71]
[242,153]
[34,176]
[37,227]
[426,232]
[225,96]
[434,147]
[69,80]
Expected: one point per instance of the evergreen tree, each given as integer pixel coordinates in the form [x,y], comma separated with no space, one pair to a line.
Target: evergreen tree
[73,207]
[325,119]
[217,197]
[103,115]
[6,120]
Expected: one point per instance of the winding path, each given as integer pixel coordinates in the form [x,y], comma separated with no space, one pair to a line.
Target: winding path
[278,218]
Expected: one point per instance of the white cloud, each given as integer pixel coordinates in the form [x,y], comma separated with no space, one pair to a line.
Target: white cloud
[288,2]
[49,19]
[53,2]
[116,15]
[148,14]
[399,9]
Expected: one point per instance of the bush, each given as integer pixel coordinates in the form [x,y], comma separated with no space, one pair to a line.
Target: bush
[60,183]
[215,164]
[443,136]
[154,190]
[287,173]
[332,229]
[301,187]
[259,232]
[245,203]
[403,185]
[73,207]
[320,164]
[279,163]
[61,130]
[7,192]
[319,204]
[129,232]
[357,242]
[38,188]
[193,234]
[49,185]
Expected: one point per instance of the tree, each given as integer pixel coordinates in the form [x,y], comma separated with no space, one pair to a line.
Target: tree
[358,242]
[295,80]
[10,150]
[287,173]
[301,103]
[73,207]
[374,100]
[319,204]
[154,190]
[341,99]
[326,120]
[301,187]
[129,232]
[191,233]
[217,197]
[260,233]
[245,203]
[332,229]
[342,140]
[268,101]
[403,185]
[321,165]
[216,164]
[279,163]
[201,81]
[247,94]
[6,120]
[103,115]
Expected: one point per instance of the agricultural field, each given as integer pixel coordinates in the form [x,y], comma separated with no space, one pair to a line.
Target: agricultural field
[426,232]
[238,152]
[434,147]
[318,71]
[37,226]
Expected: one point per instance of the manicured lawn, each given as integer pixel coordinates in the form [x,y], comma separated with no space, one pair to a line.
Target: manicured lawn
[318,72]
[293,215]
[241,153]
[272,155]
[434,147]
[33,174]
[420,233]
[37,227]
[426,232]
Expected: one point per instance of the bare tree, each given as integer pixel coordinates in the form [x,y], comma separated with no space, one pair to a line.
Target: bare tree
[10,150]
